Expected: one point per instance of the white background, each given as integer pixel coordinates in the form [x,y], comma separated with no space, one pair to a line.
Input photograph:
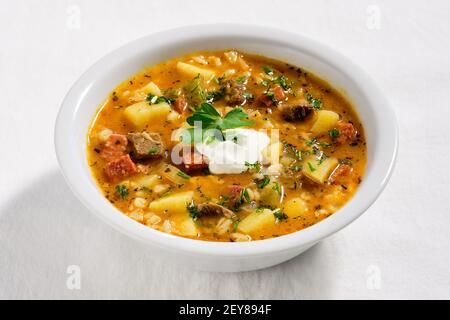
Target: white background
[400,248]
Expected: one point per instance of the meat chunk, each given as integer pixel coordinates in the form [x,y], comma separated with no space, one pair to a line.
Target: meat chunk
[265,100]
[180,104]
[120,168]
[296,112]
[193,161]
[347,132]
[146,145]
[115,146]
[212,209]
[234,92]
[340,173]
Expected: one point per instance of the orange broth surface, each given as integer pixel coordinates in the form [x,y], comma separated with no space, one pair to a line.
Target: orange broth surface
[273,200]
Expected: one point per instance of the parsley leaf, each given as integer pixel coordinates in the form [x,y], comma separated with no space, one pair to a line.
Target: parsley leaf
[316,103]
[280,215]
[334,133]
[122,191]
[263,182]
[253,166]
[267,70]
[193,211]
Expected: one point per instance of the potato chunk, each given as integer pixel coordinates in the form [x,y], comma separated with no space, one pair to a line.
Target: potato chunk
[147,181]
[296,207]
[319,171]
[187,227]
[256,221]
[151,88]
[141,113]
[324,121]
[173,204]
[191,71]
[270,195]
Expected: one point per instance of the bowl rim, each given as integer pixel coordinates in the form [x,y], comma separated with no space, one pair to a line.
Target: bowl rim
[103,209]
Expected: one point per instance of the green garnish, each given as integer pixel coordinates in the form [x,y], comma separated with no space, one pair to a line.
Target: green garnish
[280,215]
[235,225]
[267,70]
[263,182]
[334,133]
[193,210]
[195,93]
[210,118]
[264,83]
[122,191]
[243,197]
[276,187]
[311,167]
[152,99]
[247,95]
[253,166]
[183,175]
[296,167]
[282,82]
[214,96]
[153,151]
[241,79]
[316,103]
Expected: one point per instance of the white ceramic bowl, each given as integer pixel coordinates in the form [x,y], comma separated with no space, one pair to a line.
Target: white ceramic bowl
[83,99]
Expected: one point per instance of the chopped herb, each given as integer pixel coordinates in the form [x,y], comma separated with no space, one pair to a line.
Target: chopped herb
[193,210]
[243,197]
[282,81]
[247,95]
[334,133]
[280,215]
[292,149]
[214,95]
[122,191]
[195,93]
[264,83]
[253,166]
[235,225]
[316,103]
[311,167]
[152,99]
[153,151]
[261,183]
[183,175]
[296,167]
[223,199]
[267,70]
[276,187]
[241,79]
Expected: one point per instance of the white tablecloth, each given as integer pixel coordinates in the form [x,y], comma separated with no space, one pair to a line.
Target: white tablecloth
[400,248]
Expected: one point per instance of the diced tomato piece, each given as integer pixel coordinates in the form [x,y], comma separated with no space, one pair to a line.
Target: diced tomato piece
[180,104]
[120,168]
[114,147]
[340,173]
[347,133]
[278,93]
[194,161]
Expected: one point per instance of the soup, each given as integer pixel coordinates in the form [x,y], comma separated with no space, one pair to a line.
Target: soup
[226,146]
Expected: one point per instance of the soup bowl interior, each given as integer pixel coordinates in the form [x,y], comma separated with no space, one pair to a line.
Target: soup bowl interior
[81,103]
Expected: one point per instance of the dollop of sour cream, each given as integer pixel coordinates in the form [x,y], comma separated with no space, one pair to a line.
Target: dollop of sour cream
[240,146]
